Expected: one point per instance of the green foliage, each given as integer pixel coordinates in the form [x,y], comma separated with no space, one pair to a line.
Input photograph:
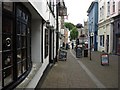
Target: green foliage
[73,30]
[69,25]
[73,33]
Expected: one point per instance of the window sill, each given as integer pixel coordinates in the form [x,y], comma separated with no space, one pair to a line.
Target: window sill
[34,70]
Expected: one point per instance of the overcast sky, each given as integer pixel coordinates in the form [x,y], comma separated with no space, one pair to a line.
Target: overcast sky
[77,10]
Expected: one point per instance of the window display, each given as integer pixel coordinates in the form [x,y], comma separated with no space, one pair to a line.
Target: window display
[19,69]
[23,30]
[15,53]
[24,66]
[23,54]
[7,42]
[18,42]
[18,28]
[23,41]
[8,75]
[8,59]
[19,55]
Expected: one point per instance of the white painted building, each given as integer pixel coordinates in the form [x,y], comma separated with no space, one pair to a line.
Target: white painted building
[36,21]
[107,10]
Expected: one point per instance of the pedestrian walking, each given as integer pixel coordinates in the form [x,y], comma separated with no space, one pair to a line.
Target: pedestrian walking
[66,46]
[72,45]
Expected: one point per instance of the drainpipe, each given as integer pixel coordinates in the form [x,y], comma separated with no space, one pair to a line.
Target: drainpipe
[57,36]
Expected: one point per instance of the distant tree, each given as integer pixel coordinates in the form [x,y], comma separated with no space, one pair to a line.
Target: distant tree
[73,33]
[69,25]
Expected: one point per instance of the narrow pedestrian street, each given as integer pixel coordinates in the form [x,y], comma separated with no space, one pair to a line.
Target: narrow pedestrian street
[80,73]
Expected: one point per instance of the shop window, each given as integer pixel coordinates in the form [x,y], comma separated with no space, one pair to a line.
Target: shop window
[16,43]
[23,36]
[7,51]
[19,69]
[7,42]
[19,55]
[8,59]
[8,25]
[8,75]
[102,40]
[46,43]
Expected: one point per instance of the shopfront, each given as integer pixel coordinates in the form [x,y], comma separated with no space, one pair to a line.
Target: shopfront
[116,35]
[15,44]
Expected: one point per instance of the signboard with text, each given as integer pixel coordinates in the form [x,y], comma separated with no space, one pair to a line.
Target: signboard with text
[104,59]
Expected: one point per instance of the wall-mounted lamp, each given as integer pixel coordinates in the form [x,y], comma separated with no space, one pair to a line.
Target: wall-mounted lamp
[47,23]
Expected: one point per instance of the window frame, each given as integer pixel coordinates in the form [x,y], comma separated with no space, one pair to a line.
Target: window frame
[46,42]
[26,62]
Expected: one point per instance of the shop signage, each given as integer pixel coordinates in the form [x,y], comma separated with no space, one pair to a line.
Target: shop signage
[104,59]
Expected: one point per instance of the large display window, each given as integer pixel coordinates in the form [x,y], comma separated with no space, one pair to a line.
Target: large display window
[16,43]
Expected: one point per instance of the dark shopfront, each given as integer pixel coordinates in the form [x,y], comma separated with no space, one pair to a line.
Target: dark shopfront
[15,52]
[116,32]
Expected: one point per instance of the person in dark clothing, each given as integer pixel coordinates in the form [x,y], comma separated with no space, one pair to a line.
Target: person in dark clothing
[66,46]
[72,45]
[63,44]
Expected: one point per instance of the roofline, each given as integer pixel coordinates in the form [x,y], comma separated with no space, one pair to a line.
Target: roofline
[91,6]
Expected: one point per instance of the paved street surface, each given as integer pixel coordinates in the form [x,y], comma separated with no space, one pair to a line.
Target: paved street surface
[82,73]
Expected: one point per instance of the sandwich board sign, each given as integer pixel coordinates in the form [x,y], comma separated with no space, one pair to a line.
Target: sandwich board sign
[104,59]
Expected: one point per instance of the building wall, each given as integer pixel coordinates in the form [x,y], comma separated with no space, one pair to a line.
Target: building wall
[45,14]
[39,12]
[93,28]
[116,35]
[106,15]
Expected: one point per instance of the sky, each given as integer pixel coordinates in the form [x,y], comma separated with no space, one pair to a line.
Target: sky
[77,10]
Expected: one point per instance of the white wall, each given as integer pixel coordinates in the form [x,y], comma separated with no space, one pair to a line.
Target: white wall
[55,44]
[41,7]
[36,40]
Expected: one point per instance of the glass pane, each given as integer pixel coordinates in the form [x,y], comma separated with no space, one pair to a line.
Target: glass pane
[24,54]
[28,51]
[0,80]
[8,75]
[18,27]
[28,62]
[19,55]
[8,6]
[7,25]
[23,41]
[7,59]
[23,29]
[19,12]
[18,41]
[24,66]
[26,18]
[23,15]
[19,70]
[7,42]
